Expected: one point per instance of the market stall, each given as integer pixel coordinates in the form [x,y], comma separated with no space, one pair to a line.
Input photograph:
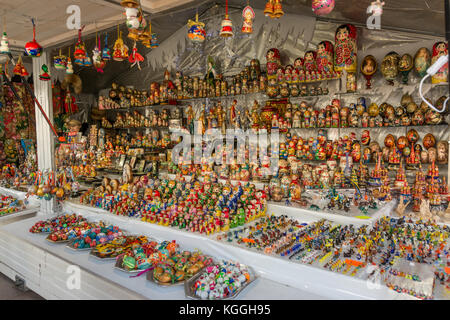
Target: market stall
[304,153]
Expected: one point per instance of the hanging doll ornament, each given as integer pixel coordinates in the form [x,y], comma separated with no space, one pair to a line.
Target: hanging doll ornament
[153,40]
[120,50]
[196,32]
[226,29]
[4,44]
[69,66]
[60,61]
[44,76]
[440,49]
[98,62]
[106,52]
[136,22]
[322,7]
[32,48]
[19,69]
[135,57]
[248,14]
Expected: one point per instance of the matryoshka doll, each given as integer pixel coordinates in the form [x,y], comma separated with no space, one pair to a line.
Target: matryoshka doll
[345,49]
[440,49]
[309,62]
[324,59]
[273,62]
[288,74]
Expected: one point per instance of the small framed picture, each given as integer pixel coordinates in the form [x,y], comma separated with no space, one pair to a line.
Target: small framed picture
[132,162]
[148,167]
[141,165]
[122,161]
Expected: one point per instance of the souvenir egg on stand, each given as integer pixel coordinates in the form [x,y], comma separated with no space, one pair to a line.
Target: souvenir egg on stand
[405,65]
[369,67]
[389,67]
[429,141]
[422,61]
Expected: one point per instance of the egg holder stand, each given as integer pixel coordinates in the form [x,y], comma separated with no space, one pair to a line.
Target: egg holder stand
[190,292]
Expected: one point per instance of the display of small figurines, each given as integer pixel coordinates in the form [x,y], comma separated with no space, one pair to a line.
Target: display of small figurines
[106,124]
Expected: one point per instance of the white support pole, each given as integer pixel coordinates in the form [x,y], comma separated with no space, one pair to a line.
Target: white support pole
[44,136]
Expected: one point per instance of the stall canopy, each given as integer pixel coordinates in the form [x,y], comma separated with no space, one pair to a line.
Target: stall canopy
[425,17]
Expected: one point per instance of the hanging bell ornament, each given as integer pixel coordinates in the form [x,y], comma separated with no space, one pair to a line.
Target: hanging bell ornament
[32,48]
[196,32]
[268,10]
[4,44]
[226,29]
[129,4]
[19,69]
[248,14]
[60,61]
[277,9]
[44,76]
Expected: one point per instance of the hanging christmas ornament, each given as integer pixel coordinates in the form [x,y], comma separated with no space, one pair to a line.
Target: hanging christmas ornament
[196,32]
[248,15]
[154,40]
[60,61]
[4,44]
[106,52]
[268,10]
[98,62]
[69,66]
[135,57]
[129,4]
[277,9]
[226,29]
[32,48]
[19,69]
[44,76]
[80,54]
[120,50]
[322,7]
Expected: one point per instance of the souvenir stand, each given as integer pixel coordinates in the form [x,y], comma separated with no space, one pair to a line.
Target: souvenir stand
[347,200]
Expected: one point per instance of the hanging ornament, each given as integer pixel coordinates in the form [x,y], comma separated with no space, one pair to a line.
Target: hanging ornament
[145,37]
[120,50]
[135,57]
[99,63]
[4,44]
[268,10]
[322,7]
[69,66]
[106,52]
[19,69]
[60,61]
[248,14]
[277,9]
[154,40]
[226,29]
[44,76]
[196,32]
[80,54]
[129,4]
[32,48]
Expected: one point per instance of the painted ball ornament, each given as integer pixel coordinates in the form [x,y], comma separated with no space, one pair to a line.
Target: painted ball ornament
[322,7]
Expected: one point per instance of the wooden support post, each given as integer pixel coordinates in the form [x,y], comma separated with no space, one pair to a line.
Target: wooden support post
[44,136]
